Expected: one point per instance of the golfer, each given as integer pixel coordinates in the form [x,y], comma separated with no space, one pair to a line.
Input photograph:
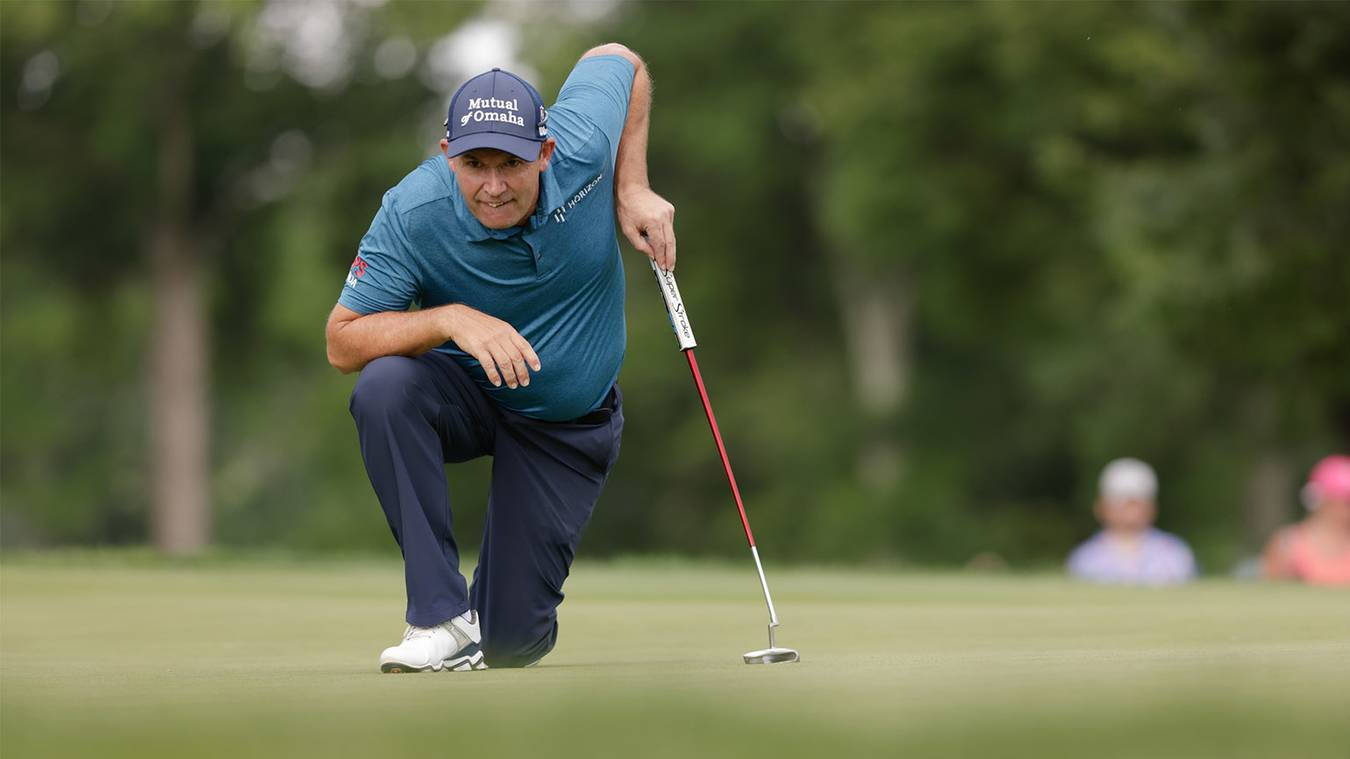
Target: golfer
[505,251]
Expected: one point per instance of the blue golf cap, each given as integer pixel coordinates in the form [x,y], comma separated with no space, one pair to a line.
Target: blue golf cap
[496,109]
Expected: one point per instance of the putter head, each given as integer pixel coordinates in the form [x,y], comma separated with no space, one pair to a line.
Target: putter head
[775,655]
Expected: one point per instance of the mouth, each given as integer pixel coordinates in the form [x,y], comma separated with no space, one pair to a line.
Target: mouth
[490,204]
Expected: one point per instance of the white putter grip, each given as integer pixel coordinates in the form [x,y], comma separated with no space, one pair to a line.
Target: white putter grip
[679,320]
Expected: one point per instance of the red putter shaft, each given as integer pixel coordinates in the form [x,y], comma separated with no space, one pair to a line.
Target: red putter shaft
[684,334]
[722,449]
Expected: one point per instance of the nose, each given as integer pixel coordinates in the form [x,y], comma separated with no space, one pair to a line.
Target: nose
[495,183]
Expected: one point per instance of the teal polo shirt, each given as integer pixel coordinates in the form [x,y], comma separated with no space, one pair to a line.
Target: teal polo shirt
[557,278]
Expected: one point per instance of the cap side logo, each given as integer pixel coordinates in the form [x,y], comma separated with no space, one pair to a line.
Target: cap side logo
[543,122]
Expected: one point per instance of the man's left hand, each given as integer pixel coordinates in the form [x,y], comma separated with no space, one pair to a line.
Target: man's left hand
[648,221]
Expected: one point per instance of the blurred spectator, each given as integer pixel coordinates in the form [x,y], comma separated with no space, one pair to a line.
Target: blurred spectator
[1129,549]
[1317,550]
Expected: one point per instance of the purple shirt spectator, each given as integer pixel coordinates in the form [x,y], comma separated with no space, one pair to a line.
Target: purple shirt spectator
[1154,558]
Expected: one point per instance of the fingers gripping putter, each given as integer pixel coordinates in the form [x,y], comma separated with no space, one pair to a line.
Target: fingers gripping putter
[679,321]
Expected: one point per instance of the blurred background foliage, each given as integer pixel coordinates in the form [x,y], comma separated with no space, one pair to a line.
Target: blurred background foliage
[945,261]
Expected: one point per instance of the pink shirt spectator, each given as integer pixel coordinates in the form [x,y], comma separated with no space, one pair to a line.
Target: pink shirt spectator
[1317,550]
[1296,553]
[1153,558]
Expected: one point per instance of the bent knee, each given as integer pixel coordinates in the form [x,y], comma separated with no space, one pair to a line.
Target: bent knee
[383,385]
[510,654]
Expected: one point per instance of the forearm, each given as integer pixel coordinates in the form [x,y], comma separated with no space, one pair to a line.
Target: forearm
[646,219]
[630,169]
[355,343]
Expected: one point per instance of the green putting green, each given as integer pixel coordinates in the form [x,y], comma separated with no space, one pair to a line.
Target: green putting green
[124,655]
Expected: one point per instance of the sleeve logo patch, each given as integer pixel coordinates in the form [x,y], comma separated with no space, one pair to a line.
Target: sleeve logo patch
[357,271]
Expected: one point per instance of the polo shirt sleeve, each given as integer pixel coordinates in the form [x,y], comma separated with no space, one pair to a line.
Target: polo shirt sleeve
[596,93]
[380,278]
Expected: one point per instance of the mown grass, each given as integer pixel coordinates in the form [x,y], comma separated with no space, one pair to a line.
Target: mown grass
[114,655]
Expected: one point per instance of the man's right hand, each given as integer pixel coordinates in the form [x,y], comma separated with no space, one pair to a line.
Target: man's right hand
[498,347]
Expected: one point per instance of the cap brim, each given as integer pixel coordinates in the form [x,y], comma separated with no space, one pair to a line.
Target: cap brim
[520,147]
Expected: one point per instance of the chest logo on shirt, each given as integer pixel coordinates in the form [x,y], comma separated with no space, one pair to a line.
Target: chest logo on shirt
[560,213]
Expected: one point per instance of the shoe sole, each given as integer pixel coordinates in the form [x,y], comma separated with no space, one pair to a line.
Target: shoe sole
[471,658]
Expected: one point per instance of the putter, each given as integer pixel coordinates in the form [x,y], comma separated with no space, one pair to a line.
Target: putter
[679,321]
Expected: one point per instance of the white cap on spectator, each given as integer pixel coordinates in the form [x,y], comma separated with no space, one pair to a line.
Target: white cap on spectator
[1128,479]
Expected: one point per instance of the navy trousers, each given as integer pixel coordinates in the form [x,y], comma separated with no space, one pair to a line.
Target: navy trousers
[414,415]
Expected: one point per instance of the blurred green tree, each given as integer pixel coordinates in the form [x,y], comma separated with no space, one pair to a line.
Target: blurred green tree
[141,139]
[1025,217]
[945,261]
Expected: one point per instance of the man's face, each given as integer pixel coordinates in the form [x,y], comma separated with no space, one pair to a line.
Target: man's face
[501,189]
[1126,514]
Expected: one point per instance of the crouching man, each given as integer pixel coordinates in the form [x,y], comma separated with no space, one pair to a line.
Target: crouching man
[507,245]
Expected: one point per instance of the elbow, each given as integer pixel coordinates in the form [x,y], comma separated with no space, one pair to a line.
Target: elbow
[338,346]
[338,361]
[616,48]
[344,367]
[335,361]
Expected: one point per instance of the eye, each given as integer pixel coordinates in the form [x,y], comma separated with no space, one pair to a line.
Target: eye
[514,163]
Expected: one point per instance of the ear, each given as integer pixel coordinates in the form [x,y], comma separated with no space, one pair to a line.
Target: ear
[545,153]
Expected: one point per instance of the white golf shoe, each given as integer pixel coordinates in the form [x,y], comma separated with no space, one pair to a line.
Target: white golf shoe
[451,645]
